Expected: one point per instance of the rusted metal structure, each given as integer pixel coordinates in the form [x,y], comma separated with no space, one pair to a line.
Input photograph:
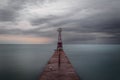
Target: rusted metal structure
[59,66]
[59,45]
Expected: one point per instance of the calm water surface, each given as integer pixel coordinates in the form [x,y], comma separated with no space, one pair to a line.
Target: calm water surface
[91,62]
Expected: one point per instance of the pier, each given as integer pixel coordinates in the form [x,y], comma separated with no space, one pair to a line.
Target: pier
[59,66]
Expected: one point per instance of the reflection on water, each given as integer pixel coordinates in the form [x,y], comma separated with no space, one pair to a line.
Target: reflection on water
[92,62]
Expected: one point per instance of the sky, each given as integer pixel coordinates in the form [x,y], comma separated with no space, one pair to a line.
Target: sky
[83,21]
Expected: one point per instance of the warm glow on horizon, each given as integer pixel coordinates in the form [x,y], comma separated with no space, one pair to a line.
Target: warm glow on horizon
[25,39]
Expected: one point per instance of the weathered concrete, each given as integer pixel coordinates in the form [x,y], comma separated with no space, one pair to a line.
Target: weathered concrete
[59,68]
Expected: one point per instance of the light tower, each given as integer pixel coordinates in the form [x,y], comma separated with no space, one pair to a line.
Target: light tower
[59,44]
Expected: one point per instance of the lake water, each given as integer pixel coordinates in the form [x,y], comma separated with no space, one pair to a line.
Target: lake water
[91,62]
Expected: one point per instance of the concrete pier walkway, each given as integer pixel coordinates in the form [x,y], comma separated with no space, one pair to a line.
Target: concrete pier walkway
[59,68]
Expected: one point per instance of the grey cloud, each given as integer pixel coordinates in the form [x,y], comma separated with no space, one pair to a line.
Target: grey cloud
[106,20]
[97,23]
[39,21]
[32,32]
[100,22]
[79,39]
[92,39]
[9,12]
[7,15]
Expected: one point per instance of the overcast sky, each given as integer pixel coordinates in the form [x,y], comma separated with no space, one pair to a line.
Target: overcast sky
[83,21]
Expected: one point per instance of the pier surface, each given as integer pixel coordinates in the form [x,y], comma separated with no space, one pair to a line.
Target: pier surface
[59,68]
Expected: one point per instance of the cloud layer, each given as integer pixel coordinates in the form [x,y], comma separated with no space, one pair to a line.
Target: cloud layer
[83,21]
